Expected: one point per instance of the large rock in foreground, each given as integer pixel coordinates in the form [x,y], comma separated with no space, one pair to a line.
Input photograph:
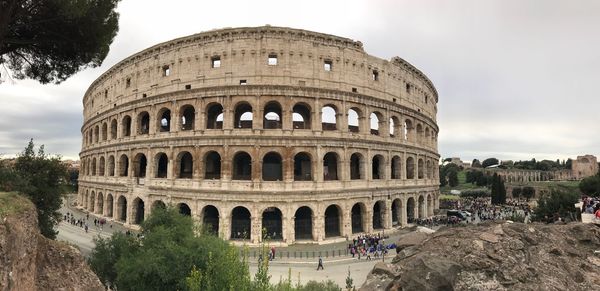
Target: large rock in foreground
[495,257]
[29,261]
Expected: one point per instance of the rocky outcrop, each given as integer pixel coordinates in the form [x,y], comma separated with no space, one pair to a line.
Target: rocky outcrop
[494,257]
[29,261]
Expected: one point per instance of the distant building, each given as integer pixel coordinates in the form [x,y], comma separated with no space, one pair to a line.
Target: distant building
[584,166]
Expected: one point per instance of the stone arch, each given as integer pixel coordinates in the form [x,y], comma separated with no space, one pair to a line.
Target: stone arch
[429,169]
[97,134]
[333,221]
[212,165]
[395,126]
[397,212]
[138,211]
[329,117]
[140,164]
[94,167]
[99,204]
[92,202]
[419,133]
[331,161]
[357,166]
[185,162]
[376,122]
[158,204]
[242,166]
[101,166]
[111,165]
[164,120]
[410,209]
[408,130]
[123,165]
[301,116]
[126,126]
[109,205]
[143,122]
[272,115]
[303,223]
[187,117]
[358,214]
[396,167]
[420,168]
[422,210]
[104,131]
[241,223]
[354,117]
[214,116]
[162,165]
[243,115]
[379,214]
[184,209]
[302,167]
[113,129]
[210,219]
[272,224]
[427,135]
[122,209]
[430,205]
[378,167]
[410,168]
[272,167]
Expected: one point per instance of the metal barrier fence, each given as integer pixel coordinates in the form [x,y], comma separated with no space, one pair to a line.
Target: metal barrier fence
[255,253]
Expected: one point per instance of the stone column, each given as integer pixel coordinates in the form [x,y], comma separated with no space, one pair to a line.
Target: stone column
[387,216]
[256,228]
[369,218]
[318,223]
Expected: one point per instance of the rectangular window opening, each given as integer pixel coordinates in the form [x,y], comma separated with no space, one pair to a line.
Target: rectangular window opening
[216,62]
[272,60]
[243,82]
[375,75]
[144,95]
[127,82]
[408,88]
[166,71]
[187,87]
[354,90]
[328,65]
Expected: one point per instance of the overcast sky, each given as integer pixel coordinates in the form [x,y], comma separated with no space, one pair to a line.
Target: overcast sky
[516,79]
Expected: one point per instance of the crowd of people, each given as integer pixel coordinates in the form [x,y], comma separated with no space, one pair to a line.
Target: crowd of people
[484,210]
[369,246]
[591,205]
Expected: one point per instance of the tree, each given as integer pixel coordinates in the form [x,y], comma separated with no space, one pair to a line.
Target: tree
[49,41]
[498,190]
[489,162]
[590,186]
[556,203]
[528,192]
[476,163]
[43,182]
[453,178]
[106,253]
[516,192]
[568,164]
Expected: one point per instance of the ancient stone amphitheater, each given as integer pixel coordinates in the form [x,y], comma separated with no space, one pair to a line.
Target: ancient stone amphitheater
[262,132]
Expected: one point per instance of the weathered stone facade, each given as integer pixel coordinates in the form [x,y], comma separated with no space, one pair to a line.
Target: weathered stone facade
[299,133]
[584,166]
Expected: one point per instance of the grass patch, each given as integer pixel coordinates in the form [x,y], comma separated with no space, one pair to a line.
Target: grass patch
[450,197]
[11,202]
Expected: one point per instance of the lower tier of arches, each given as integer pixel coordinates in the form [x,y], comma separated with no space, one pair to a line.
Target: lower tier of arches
[280,221]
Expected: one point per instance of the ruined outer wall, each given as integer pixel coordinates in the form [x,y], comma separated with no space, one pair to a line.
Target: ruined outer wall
[179,74]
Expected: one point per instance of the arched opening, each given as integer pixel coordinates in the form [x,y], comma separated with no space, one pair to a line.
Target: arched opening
[188,116]
[408,130]
[212,166]
[396,166]
[210,219]
[162,165]
[376,121]
[184,209]
[122,209]
[333,221]
[429,205]
[356,164]
[111,166]
[273,117]
[138,211]
[140,164]
[164,120]
[100,204]
[358,211]
[377,167]
[126,126]
[302,167]
[109,205]
[410,168]
[214,116]
[353,120]
[123,166]
[143,123]
[97,134]
[396,212]
[429,169]
[94,167]
[240,223]
[186,165]
[303,223]
[330,163]
[92,203]
[301,116]
[395,126]
[328,118]
[410,209]
[427,136]
[420,168]
[101,166]
[271,224]
[421,209]
[419,133]
[243,116]
[242,166]
[272,167]
[378,213]
[104,131]
[85,199]
[158,204]
[113,129]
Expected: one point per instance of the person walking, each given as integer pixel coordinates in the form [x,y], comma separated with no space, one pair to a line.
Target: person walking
[320,264]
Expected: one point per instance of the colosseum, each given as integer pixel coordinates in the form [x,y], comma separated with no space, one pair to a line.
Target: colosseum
[262,132]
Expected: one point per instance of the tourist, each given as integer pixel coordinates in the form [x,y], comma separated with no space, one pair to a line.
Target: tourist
[320,264]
